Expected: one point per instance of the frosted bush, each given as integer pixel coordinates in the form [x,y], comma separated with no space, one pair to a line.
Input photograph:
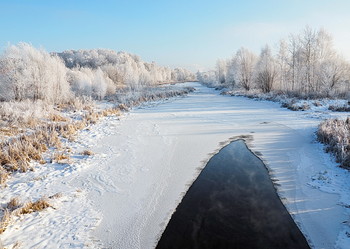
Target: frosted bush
[335,134]
[24,112]
[89,82]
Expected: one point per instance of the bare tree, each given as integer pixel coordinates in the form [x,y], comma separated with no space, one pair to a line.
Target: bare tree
[282,61]
[331,73]
[294,62]
[231,73]
[266,70]
[244,63]
[221,71]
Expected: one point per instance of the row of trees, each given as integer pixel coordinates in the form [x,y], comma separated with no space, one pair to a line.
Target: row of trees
[30,73]
[124,69]
[305,64]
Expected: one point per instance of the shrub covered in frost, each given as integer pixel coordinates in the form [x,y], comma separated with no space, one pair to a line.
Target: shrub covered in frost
[341,108]
[335,134]
[89,82]
[23,112]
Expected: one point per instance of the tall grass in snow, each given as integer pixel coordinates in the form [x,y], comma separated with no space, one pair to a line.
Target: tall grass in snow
[335,134]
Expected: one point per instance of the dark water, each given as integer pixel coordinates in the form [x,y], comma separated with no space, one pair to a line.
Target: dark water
[232,204]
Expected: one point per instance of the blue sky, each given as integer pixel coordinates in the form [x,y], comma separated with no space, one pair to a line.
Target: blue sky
[190,33]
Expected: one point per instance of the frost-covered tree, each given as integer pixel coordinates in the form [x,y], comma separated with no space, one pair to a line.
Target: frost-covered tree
[90,82]
[332,73]
[309,56]
[221,71]
[208,78]
[12,83]
[295,63]
[181,75]
[30,73]
[230,80]
[265,71]
[244,65]
[283,78]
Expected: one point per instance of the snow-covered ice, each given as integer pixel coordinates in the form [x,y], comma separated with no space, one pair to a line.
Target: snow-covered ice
[146,160]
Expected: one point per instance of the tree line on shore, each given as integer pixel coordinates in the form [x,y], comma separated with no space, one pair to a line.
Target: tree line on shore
[304,64]
[30,73]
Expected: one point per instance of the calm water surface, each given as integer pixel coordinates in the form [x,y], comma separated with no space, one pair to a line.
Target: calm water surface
[232,204]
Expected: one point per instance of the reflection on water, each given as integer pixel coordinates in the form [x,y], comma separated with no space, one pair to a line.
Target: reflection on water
[232,204]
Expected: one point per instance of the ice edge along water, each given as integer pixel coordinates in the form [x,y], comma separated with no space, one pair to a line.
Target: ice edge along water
[146,161]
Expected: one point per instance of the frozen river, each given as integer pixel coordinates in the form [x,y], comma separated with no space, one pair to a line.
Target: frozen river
[153,154]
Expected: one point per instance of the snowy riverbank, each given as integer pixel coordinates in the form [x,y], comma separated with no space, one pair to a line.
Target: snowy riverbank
[145,161]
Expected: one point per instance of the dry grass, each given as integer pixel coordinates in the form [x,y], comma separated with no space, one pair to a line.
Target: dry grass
[15,207]
[10,131]
[69,130]
[111,111]
[123,107]
[4,175]
[61,157]
[16,153]
[335,134]
[87,153]
[5,220]
[36,206]
[17,245]
[13,204]
[47,136]
[343,108]
[131,99]
[55,196]
[58,118]
[91,117]
[77,103]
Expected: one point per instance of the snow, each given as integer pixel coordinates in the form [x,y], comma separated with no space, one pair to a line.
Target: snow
[146,160]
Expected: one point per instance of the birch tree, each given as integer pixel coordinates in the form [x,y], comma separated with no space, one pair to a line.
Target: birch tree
[266,70]
[244,64]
